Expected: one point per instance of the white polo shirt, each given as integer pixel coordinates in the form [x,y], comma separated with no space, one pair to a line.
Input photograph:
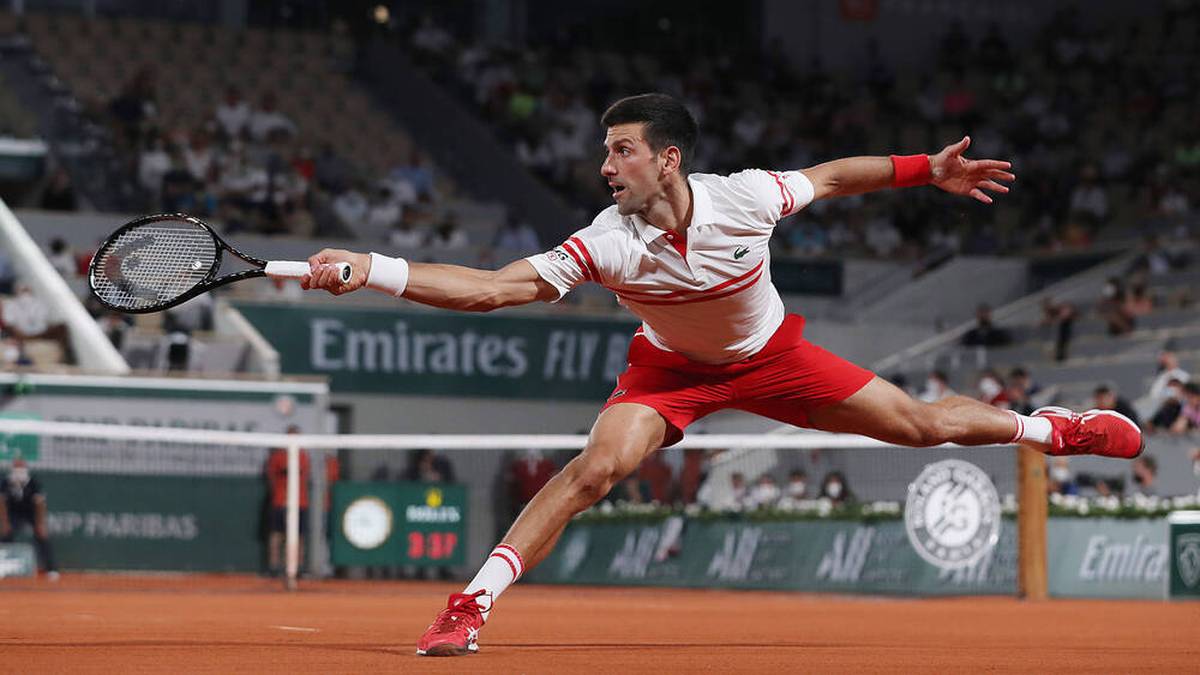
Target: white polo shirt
[715,302]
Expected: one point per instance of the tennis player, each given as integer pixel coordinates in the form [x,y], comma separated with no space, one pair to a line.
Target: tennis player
[689,255]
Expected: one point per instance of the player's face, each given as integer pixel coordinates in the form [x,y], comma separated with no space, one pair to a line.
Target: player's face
[631,168]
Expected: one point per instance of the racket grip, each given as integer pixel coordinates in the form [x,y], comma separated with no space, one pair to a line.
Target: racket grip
[291,269]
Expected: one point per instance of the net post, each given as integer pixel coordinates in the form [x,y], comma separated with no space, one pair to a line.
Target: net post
[1031,524]
[292,545]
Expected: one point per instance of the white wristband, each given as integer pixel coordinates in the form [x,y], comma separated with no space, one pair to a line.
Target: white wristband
[389,275]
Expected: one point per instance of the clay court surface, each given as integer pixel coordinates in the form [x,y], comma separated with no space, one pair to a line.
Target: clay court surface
[224,625]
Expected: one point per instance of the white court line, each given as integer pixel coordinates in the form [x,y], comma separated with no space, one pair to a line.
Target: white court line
[298,629]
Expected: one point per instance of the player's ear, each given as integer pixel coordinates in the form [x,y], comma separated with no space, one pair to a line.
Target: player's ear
[672,159]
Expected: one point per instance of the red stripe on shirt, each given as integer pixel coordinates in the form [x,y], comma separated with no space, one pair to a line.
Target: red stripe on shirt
[586,256]
[566,245]
[673,294]
[788,200]
[703,298]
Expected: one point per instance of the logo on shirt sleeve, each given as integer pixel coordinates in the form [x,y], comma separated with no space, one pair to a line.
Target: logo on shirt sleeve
[556,254]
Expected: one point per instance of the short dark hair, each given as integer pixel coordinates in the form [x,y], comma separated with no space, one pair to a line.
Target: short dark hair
[668,122]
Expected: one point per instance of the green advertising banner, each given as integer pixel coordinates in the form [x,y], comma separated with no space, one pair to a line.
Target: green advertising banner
[395,351]
[825,556]
[1107,557]
[127,522]
[1184,550]
[385,524]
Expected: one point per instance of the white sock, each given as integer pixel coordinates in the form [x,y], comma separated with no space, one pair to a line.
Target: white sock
[1032,429]
[503,567]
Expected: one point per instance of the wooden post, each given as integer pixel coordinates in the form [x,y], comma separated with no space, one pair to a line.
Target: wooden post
[1031,524]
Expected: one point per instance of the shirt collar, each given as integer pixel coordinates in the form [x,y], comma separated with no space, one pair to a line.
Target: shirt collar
[702,213]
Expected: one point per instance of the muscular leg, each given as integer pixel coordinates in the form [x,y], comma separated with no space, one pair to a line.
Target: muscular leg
[884,412]
[624,434]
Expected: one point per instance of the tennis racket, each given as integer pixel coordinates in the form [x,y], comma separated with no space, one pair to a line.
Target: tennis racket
[156,262]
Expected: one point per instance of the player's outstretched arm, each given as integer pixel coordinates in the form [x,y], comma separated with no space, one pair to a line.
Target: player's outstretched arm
[446,286]
[947,170]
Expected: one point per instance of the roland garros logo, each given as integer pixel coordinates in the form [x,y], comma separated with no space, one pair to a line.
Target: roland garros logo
[952,514]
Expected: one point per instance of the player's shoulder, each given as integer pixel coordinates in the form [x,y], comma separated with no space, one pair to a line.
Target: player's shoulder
[608,226]
[743,190]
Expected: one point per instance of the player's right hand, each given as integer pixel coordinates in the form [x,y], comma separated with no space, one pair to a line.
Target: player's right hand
[324,275]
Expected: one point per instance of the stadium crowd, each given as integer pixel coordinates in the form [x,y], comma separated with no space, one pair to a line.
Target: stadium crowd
[1096,137]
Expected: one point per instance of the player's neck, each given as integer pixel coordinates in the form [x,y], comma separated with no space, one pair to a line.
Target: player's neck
[672,211]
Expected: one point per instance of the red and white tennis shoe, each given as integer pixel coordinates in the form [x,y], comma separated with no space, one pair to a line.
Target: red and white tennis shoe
[1096,432]
[455,630]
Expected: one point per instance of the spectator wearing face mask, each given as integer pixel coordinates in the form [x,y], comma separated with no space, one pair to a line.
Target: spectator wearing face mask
[24,503]
[992,390]
[937,387]
[1061,480]
[1189,413]
[1105,397]
[795,490]
[835,489]
[764,494]
[1145,472]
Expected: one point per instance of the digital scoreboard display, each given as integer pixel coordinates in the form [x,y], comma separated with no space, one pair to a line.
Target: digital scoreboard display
[386,524]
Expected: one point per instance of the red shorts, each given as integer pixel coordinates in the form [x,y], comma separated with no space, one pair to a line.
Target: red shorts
[789,377]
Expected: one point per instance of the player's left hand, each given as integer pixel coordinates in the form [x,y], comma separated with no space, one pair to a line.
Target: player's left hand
[961,176]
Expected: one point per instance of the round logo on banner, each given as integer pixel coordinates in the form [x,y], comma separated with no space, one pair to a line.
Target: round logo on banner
[952,514]
[367,522]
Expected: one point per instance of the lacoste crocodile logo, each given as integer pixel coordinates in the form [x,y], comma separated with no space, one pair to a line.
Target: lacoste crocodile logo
[740,252]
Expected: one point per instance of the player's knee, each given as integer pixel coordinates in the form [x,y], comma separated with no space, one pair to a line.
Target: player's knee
[591,476]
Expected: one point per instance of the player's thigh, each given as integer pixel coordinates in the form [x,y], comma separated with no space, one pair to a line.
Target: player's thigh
[623,435]
[880,410]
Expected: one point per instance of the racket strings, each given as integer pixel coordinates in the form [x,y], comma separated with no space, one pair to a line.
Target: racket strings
[153,264]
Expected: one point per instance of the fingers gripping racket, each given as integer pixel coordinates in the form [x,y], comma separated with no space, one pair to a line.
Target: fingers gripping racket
[156,262]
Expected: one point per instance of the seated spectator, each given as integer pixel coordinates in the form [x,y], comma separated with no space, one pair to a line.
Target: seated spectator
[731,497]
[1019,400]
[1145,473]
[656,475]
[385,211]
[404,235]
[1169,410]
[518,237]
[1113,310]
[62,258]
[1061,316]
[1089,197]
[426,466]
[267,121]
[1019,374]
[1060,479]
[449,236]
[835,489]
[526,475]
[985,334]
[796,489]
[233,114]
[416,174]
[1139,302]
[691,474]
[59,194]
[351,207]
[1105,397]
[765,493]
[936,387]
[1189,413]
[992,390]
[1168,370]
[24,315]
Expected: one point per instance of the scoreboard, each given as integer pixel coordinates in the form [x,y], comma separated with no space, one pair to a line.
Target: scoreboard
[384,524]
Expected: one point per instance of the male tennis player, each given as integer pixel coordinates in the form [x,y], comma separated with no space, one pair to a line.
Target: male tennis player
[688,254]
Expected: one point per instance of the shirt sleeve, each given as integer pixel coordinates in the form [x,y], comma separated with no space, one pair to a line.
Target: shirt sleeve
[774,194]
[569,264]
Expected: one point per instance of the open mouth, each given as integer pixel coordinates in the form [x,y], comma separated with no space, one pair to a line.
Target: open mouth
[617,189]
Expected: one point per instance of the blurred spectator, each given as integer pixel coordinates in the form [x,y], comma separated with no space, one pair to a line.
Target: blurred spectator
[730,497]
[1168,370]
[415,176]
[59,194]
[985,333]
[1164,416]
[351,207]
[276,472]
[691,474]
[62,258]
[656,475]
[765,493]
[1061,481]
[404,235]
[796,489]
[992,390]
[1112,308]
[26,317]
[1189,412]
[1145,473]
[449,236]
[517,237]
[1060,316]
[24,503]
[8,274]
[233,114]
[526,475]
[835,489]
[1019,398]
[266,121]
[426,466]
[1139,302]
[1105,397]
[385,211]
[1089,197]
[936,387]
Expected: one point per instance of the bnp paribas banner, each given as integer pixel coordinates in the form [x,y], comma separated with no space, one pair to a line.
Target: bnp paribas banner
[385,350]
[827,556]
